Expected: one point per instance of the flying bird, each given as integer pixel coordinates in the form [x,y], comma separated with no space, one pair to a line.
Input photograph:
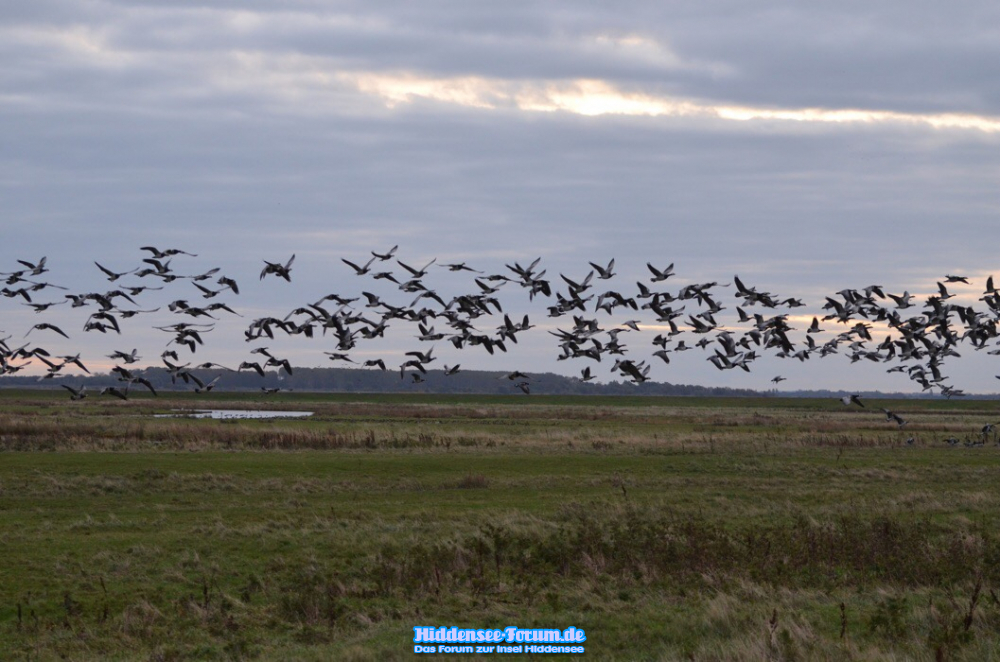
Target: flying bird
[361,271]
[36,269]
[660,274]
[51,327]
[890,416]
[387,255]
[76,393]
[278,269]
[111,390]
[170,252]
[604,273]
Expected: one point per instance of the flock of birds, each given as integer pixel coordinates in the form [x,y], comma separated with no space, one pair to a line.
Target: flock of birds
[919,338]
[989,432]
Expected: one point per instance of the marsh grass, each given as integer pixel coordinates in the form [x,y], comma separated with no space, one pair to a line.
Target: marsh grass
[711,530]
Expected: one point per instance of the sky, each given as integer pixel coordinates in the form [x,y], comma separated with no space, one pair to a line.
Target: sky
[805,148]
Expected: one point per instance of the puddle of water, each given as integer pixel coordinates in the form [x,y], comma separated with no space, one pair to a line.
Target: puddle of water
[236,413]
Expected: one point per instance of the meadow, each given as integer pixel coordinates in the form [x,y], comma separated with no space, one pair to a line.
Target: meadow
[665,528]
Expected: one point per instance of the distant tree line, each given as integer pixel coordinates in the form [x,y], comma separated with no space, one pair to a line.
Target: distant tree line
[479,382]
[349,380]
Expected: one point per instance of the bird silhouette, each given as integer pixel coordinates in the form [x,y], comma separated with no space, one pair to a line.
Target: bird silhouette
[278,269]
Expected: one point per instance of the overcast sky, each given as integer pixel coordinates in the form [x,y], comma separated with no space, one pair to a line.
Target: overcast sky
[807,149]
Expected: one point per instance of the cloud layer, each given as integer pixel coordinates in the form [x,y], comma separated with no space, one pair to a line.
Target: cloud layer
[808,148]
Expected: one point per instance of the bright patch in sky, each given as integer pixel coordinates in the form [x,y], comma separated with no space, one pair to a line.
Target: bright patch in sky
[596,97]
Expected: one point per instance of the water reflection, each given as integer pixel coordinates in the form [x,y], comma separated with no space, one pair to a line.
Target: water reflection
[235,413]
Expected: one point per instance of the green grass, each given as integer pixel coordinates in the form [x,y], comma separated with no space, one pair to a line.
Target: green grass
[666,528]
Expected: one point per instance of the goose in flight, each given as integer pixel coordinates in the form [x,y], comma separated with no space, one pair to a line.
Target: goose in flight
[903,300]
[161,269]
[111,390]
[487,289]
[361,271]
[210,365]
[145,382]
[113,275]
[7,292]
[206,292]
[385,275]
[139,289]
[576,288]
[525,274]
[36,269]
[417,273]
[76,393]
[341,356]
[159,255]
[891,416]
[387,255]
[849,400]
[51,327]
[659,275]
[279,363]
[248,365]
[460,266]
[225,281]
[205,388]
[75,360]
[41,307]
[278,269]
[130,357]
[206,275]
[604,273]
[421,357]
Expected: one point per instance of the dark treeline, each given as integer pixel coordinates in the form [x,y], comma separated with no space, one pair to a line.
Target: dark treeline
[350,380]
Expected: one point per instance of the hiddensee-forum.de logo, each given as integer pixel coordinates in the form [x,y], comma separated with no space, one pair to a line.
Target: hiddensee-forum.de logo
[428,639]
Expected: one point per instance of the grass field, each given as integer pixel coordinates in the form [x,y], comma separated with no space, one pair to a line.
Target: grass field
[688,528]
